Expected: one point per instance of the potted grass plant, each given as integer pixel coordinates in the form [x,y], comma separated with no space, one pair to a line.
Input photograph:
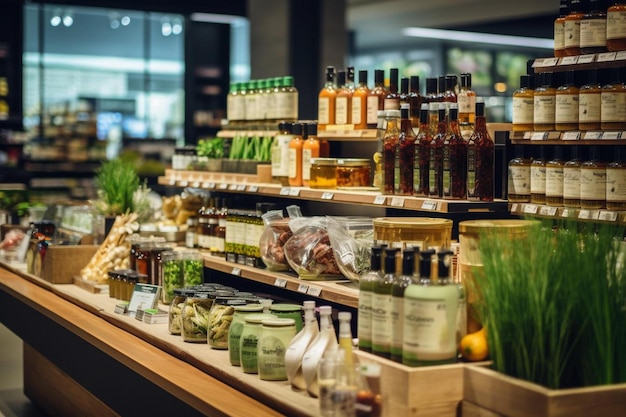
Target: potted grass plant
[554,306]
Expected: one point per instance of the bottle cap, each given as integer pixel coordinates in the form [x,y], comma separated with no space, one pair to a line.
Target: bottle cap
[363,77]
[425,262]
[288,81]
[404,85]
[408,262]
[390,260]
[444,263]
[311,129]
[415,83]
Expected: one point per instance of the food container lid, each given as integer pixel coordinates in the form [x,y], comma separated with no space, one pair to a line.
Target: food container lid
[258,318]
[246,308]
[353,162]
[324,161]
[422,223]
[285,307]
[278,322]
[477,226]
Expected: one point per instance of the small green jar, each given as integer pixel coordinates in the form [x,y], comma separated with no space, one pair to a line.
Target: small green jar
[276,335]
[235,329]
[249,340]
[289,311]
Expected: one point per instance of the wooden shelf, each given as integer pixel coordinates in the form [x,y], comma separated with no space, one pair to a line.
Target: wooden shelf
[563,213]
[340,291]
[571,138]
[247,184]
[581,62]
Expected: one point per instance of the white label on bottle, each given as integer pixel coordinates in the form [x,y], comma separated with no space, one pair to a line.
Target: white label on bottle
[397,321]
[519,180]
[592,33]
[572,33]
[427,322]
[293,168]
[559,36]
[589,105]
[616,25]
[538,179]
[323,110]
[566,109]
[616,185]
[523,110]
[341,110]
[554,181]
[466,102]
[381,316]
[372,110]
[306,164]
[365,316]
[613,107]
[571,183]
[592,184]
[280,155]
[544,109]
[287,105]
[357,106]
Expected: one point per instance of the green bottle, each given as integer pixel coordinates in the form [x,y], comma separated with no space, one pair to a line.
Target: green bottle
[381,306]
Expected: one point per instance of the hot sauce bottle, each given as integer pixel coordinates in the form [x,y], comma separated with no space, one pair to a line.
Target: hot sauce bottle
[559,30]
[376,99]
[405,154]
[480,159]
[422,154]
[454,158]
[572,27]
[435,161]
[616,26]
[590,102]
[326,101]
[359,102]
[390,142]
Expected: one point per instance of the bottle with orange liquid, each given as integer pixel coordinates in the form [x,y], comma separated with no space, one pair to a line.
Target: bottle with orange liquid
[326,100]
[359,102]
[295,156]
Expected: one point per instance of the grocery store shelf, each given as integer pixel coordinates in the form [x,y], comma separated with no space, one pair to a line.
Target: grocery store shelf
[337,291]
[564,213]
[581,62]
[247,184]
[568,138]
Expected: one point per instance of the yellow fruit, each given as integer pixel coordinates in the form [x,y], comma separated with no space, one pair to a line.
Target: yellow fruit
[473,346]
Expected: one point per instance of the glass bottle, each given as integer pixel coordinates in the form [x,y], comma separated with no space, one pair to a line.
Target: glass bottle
[326,100]
[415,99]
[467,105]
[345,337]
[234,107]
[405,155]
[422,154]
[480,159]
[298,346]
[390,142]
[571,180]
[538,178]
[449,94]
[287,100]
[593,182]
[519,177]
[392,99]
[381,306]
[554,179]
[261,100]
[359,102]
[572,27]
[613,107]
[616,27]
[325,341]
[523,105]
[376,99]
[559,30]
[435,159]
[367,282]
[280,154]
[590,102]
[567,103]
[295,156]
[398,287]
[431,99]
[616,183]
[544,103]
[404,92]
[343,101]
[454,159]
[310,150]
[593,28]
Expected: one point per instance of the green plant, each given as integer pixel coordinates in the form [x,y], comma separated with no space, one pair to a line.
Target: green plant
[211,148]
[117,183]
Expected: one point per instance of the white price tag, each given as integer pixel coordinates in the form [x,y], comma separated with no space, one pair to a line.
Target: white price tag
[620,55]
[172,182]
[284,191]
[303,288]
[547,211]
[429,205]
[397,202]
[327,195]
[606,57]
[593,135]
[211,185]
[253,188]
[195,184]
[611,135]
[565,212]
[528,135]
[571,135]
[569,60]
[314,291]
[222,186]
[514,207]
[236,271]
[205,184]
[241,187]
[233,187]
[184,183]
[586,59]
[530,209]
[380,199]
[294,192]
[585,214]
[608,216]
[539,135]
[280,282]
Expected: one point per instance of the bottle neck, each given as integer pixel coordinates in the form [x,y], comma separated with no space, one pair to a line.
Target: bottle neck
[480,125]
[406,127]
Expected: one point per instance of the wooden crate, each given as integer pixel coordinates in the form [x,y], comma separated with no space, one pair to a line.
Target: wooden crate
[429,391]
[488,393]
[62,263]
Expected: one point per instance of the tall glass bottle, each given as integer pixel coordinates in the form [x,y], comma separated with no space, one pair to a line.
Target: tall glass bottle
[567,103]
[376,99]
[559,30]
[326,100]
[295,156]
[449,94]
[280,154]
[616,26]
[310,150]
[523,105]
[400,283]
[422,154]
[405,154]
[287,100]
[454,168]
[343,101]
[538,178]
[544,103]
[325,341]
[359,102]
[390,142]
[554,179]
[345,337]
[366,290]
[435,160]
[590,102]
[381,306]
[572,27]
[480,159]
[593,28]
[392,100]
[519,177]
[571,180]
[415,98]
[613,107]
[467,105]
[433,108]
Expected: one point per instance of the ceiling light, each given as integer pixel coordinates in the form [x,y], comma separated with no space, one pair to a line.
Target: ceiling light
[177,26]
[474,37]
[125,20]
[56,20]
[68,20]
[166,28]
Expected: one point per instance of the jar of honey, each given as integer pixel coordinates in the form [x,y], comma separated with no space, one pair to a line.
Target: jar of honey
[353,172]
[323,173]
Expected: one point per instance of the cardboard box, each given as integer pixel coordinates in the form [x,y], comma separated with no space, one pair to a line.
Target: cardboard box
[62,263]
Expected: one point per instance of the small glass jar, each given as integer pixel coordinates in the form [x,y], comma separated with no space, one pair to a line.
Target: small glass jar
[353,172]
[195,316]
[274,339]
[571,183]
[171,275]
[193,267]
[174,321]
[249,341]
[220,318]
[235,329]
[191,235]
[592,184]
[554,182]
[289,311]
[323,173]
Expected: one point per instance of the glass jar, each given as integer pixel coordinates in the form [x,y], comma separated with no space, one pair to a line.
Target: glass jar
[538,181]
[191,236]
[616,185]
[193,267]
[554,182]
[249,341]
[275,336]
[289,311]
[571,183]
[592,184]
[323,173]
[353,172]
[174,321]
[195,316]
[519,180]
[220,318]
[235,329]
[171,275]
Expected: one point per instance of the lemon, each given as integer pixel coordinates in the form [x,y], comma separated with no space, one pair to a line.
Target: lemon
[473,346]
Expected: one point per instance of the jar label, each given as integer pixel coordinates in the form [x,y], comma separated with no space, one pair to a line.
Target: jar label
[613,107]
[616,24]
[559,36]
[616,185]
[566,110]
[593,184]
[538,180]
[323,110]
[592,33]
[571,183]
[372,110]
[286,105]
[523,110]
[425,325]
[357,106]
[519,180]
[248,348]
[589,105]
[271,357]
[554,182]
[572,33]
[544,109]
[381,327]
[341,110]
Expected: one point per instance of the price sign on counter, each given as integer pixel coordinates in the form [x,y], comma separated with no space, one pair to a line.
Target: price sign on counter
[284,191]
[294,192]
[253,189]
[327,195]
[236,271]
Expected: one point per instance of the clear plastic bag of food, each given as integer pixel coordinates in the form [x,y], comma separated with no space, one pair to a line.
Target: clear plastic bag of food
[352,240]
[274,237]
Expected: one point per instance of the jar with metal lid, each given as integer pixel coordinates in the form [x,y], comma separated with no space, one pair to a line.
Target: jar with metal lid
[323,173]
[235,329]
[248,341]
[401,232]
[289,311]
[274,339]
[174,321]
[220,318]
[195,316]
[353,172]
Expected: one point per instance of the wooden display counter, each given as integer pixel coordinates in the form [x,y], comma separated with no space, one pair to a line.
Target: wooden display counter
[80,358]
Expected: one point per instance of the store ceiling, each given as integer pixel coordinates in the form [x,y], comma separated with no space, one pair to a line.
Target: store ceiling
[380,22]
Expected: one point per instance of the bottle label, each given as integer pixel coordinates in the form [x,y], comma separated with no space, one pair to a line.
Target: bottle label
[392,104]
[523,110]
[372,110]
[566,110]
[287,105]
[234,109]
[280,156]
[589,105]
[341,110]
[616,185]
[365,316]
[446,181]
[571,183]
[592,184]
[249,344]
[397,322]
[572,33]
[592,33]
[466,102]
[381,326]
[544,109]
[616,24]
[519,180]
[271,357]
[323,110]
[559,36]
[538,180]
[357,106]
[292,164]
[554,181]
[425,328]
[306,164]
[204,241]
[471,171]
[613,108]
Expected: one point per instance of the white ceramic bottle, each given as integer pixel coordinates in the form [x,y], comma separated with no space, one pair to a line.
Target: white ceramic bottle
[325,340]
[299,345]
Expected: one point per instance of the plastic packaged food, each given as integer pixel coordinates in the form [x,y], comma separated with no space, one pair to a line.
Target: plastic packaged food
[274,237]
[352,241]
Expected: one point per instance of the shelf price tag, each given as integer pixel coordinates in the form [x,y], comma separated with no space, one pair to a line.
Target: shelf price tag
[593,135]
[565,212]
[195,184]
[380,200]
[611,135]
[232,187]
[253,189]
[547,211]
[236,271]
[303,288]
[588,214]
[241,187]
[222,186]
[294,192]
[397,202]
[569,60]
[284,191]
[173,182]
[608,216]
[539,136]
[571,135]
[280,282]
[314,291]
[184,183]
[211,185]
[586,59]
[327,195]
[429,205]
[514,207]
[530,209]
[620,55]
[205,185]
[607,57]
